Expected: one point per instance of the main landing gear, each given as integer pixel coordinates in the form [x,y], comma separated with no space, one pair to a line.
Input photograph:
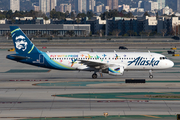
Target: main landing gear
[150,74]
[94,76]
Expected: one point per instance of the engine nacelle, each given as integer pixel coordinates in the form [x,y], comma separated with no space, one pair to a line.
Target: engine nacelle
[116,70]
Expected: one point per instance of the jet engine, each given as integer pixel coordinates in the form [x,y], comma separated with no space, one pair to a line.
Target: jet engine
[116,70]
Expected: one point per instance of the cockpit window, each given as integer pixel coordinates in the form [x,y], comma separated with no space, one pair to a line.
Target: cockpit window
[163,58]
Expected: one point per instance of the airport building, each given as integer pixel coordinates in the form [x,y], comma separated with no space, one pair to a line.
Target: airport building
[96,24]
[49,29]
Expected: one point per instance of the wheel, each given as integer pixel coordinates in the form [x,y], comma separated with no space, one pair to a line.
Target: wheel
[151,76]
[94,76]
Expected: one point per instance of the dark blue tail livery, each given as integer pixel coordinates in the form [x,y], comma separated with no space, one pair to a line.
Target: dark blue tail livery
[21,42]
[27,53]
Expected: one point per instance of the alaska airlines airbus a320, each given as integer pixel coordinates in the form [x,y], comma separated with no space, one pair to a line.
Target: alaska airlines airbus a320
[112,63]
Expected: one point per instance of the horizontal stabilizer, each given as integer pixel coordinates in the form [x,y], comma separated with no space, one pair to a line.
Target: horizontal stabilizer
[18,57]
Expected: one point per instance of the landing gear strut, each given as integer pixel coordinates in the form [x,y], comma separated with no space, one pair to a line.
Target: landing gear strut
[94,76]
[150,74]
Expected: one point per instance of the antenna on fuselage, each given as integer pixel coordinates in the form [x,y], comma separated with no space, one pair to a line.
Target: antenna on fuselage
[149,51]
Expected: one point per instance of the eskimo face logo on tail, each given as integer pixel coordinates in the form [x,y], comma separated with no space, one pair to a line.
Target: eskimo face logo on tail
[21,43]
[141,61]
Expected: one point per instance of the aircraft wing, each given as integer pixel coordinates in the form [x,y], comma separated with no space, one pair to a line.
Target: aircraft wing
[98,65]
[93,64]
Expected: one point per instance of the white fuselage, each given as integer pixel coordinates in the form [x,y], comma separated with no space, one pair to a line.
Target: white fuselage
[129,60]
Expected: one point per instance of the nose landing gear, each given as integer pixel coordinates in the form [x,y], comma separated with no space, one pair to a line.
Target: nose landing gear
[150,74]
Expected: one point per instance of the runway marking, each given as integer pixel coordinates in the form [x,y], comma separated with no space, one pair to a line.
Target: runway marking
[27,80]
[142,96]
[151,116]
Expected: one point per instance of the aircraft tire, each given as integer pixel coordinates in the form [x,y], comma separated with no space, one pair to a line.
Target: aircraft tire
[151,76]
[94,76]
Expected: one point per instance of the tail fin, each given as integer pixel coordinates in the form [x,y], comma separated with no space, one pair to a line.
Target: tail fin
[21,42]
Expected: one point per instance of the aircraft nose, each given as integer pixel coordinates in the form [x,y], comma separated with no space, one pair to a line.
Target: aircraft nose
[171,63]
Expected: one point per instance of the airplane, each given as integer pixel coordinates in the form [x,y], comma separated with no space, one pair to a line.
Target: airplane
[112,63]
